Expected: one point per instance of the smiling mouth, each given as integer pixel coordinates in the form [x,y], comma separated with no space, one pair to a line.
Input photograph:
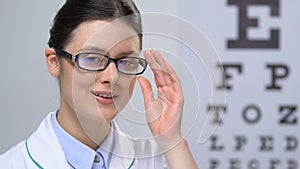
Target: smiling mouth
[105,97]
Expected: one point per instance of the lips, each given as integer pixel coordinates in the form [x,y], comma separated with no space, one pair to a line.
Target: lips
[104,97]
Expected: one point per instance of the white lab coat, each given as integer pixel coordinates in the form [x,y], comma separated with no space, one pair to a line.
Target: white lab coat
[44,149]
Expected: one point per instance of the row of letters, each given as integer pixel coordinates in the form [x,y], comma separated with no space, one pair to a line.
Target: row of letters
[254,163]
[265,143]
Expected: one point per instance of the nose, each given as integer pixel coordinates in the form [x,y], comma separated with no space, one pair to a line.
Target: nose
[108,75]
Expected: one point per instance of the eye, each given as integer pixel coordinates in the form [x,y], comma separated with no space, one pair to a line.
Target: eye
[129,62]
[92,58]
[92,61]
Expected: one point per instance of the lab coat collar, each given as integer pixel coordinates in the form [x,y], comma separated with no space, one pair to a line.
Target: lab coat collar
[119,146]
[45,149]
[72,147]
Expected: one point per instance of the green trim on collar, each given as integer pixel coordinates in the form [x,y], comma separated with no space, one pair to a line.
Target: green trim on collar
[35,162]
[132,163]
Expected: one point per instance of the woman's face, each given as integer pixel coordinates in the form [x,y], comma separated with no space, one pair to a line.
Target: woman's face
[102,94]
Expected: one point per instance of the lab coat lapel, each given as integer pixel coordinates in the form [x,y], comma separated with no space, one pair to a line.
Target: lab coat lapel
[123,152]
[44,147]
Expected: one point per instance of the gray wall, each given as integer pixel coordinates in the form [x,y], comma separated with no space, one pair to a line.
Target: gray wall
[28,92]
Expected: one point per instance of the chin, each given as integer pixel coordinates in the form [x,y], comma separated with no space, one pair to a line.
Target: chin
[108,115]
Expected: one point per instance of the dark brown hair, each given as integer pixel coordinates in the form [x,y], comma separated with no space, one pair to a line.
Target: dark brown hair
[75,12]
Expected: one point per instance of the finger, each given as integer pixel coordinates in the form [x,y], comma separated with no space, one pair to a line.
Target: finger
[163,64]
[155,67]
[167,67]
[170,75]
[153,110]
[147,91]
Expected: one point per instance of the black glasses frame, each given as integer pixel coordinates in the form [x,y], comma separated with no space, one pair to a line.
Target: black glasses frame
[74,58]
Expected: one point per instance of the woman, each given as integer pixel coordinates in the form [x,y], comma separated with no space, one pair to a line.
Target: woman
[94,50]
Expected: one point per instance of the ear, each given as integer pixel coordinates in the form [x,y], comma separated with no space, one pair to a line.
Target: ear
[52,62]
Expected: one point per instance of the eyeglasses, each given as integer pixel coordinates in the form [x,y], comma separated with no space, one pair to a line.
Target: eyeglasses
[90,61]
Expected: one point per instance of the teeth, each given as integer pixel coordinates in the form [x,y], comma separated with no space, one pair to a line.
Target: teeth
[104,95]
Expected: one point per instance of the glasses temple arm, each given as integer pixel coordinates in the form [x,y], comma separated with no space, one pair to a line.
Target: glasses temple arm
[63,53]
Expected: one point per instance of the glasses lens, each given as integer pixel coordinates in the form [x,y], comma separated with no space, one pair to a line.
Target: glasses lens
[131,65]
[92,61]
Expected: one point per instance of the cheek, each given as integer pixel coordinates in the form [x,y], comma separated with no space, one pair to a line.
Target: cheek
[74,83]
[131,86]
[125,88]
[83,102]
[65,80]
[83,80]
[82,85]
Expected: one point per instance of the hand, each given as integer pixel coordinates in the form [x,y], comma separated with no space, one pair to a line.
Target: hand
[164,112]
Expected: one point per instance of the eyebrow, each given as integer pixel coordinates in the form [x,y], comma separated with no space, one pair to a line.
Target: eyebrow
[128,53]
[99,50]
[92,48]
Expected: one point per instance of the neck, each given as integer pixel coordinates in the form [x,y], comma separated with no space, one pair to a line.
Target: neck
[85,129]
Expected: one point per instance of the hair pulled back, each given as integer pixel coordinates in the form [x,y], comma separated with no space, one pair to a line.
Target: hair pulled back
[75,12]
